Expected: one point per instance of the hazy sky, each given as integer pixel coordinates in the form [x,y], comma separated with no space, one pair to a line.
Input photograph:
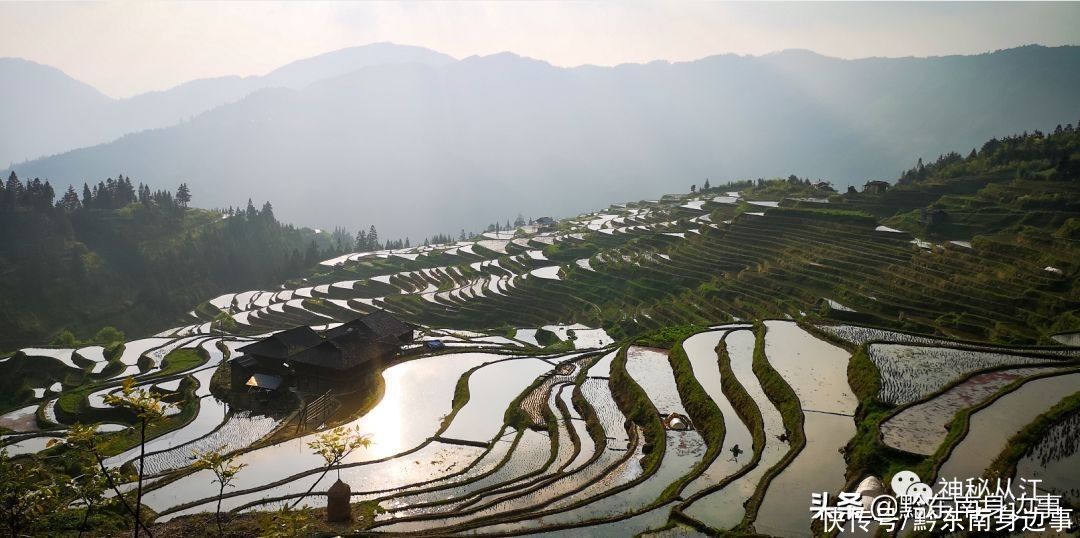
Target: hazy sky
[127,48]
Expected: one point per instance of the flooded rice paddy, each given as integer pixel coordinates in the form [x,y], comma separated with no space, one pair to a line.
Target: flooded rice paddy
[991,427]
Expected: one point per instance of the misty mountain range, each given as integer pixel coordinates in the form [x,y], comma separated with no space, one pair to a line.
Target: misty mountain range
[417,142]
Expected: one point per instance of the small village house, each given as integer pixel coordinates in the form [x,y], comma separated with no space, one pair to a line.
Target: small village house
[545,223]
[312,361]
[876,187]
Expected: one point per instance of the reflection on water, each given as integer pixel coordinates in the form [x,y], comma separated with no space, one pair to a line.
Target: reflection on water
[817,373]
[921,428]
[723,509]
[815,369]
[650,369]
[993,426]
[418,394]
[819,467]
[1055,460]
[701,351]
[491,389]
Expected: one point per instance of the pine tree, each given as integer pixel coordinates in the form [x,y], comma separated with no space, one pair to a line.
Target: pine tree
[183,195]
[70,201]
[14,187]
[87,196]
[48,194]
[361,241]
[706,187]
[373,239]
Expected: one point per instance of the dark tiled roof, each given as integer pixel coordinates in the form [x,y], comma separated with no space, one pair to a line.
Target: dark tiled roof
[325,355]
[285,343]
[339,355]
[378,324]
[359,341]
[245,361]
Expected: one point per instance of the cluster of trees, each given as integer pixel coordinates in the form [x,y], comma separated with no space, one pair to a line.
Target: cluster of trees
[368,241]
[1025,153]
[266,213]
[39,195]
[126,255]
[440,239]
[761,183]
[341,239]
[34,194]
[496,227]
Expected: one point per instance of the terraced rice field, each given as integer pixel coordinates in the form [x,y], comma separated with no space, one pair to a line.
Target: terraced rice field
[702,354]
[723,509]
[649,368]
[1055,459]
[910,373]
[817,372]
[236,432]
[921,428]
[992,426]
[20,420]
[545,414]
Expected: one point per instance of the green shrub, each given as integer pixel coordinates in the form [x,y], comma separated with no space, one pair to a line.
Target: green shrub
[65,339]
[108,336]
[667,337]
[546,338]
[113,351]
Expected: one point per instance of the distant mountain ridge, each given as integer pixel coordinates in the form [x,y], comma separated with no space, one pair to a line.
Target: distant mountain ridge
[53,113]
[417,147]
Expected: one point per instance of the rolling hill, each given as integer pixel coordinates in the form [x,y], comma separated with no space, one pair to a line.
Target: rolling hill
[442,145]
[48,112]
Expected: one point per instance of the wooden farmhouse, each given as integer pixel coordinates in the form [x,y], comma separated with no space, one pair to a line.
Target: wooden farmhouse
[313,361]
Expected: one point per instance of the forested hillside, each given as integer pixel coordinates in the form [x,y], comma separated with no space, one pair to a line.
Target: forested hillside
[120,254]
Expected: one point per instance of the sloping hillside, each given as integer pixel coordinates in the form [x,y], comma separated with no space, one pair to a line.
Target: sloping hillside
[135,261]
[701,363]
[419,147]
[48,112]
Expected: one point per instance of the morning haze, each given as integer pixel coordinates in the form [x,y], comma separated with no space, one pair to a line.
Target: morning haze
[563,269]
[418,143]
